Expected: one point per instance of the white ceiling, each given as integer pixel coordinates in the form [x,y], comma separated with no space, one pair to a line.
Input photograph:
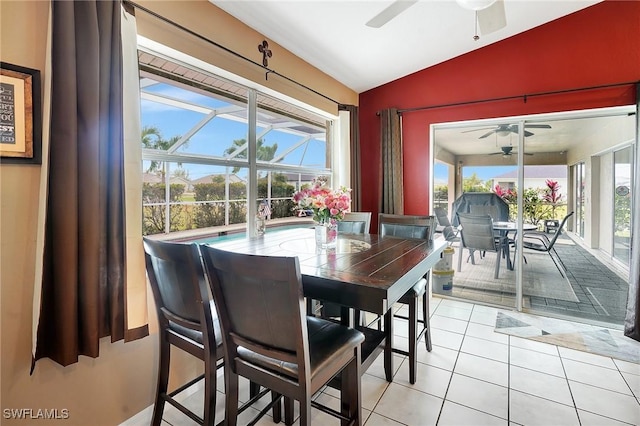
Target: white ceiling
[332,36]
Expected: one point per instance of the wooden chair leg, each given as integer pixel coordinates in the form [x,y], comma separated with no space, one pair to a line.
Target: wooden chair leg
[413,341]
[425,319]
[163,381]
[210,383]
[350,393]
[277,408]
[231,397]
[288,411]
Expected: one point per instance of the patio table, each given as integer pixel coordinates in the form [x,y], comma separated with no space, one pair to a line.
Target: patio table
[505,228]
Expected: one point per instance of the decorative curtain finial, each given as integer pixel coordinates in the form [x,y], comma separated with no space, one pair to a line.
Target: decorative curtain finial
[266,52]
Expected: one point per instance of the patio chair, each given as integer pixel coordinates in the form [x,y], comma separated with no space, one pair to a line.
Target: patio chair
[406,226]
[448,231]
[477,234]
[187,320]
[539,241]
[269,339]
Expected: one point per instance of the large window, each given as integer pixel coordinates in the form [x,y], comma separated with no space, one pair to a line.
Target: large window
[213,149]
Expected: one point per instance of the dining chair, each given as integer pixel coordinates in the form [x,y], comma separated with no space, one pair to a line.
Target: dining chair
[477,233]
[269,339]
[539,241]
[448,231]
[422,227]
[355,223]
[187,320]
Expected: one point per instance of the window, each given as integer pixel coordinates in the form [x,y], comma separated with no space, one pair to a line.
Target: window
[197,131]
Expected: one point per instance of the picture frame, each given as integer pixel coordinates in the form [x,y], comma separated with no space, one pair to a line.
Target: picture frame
[20,115]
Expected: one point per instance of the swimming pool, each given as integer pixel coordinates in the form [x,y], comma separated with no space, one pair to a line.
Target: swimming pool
[242,234]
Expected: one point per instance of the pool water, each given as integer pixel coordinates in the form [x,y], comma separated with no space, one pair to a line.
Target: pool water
[241,235]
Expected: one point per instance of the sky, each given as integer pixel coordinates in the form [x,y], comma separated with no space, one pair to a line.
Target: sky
[218,134]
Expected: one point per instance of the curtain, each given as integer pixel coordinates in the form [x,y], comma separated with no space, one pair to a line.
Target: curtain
[632,322]
[83,273]
[354,149]
[391,188]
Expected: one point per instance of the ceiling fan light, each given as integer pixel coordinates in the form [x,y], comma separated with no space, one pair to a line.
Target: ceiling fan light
[503,132]
[475,4]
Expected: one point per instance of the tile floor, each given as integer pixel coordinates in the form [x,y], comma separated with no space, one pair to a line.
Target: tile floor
[475,376]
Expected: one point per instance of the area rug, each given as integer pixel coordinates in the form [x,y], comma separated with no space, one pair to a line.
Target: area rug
[540,277]
[583,337]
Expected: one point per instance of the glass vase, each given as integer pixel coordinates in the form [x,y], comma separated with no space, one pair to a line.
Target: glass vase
[326,234]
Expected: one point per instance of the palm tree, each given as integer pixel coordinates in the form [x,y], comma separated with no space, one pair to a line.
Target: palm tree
[263,152]
[152,138]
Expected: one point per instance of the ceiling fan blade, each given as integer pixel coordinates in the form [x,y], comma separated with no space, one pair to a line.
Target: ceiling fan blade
[537,126]
[477,130]
[527,133]
[390,12]
[492,18]
[497,153]
[487,134]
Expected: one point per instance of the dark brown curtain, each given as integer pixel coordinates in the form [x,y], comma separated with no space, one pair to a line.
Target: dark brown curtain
[354,146]
[83,267]
[391,186]
[632,320]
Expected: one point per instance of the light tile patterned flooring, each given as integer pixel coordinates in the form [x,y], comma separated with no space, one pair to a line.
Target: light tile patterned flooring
[475,376]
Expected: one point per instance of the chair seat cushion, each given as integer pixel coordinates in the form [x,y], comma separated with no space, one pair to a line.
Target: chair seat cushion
[327,341]
[417,290]
[196,335]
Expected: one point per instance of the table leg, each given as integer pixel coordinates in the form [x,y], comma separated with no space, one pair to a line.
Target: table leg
[388,353]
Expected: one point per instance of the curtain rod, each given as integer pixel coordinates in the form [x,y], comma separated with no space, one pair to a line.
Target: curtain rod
[524,97]
[226,49]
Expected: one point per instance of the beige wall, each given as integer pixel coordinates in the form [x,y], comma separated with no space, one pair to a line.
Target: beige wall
[121,381]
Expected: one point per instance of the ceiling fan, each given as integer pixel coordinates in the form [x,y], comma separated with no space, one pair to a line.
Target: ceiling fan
[489,13]
[507,129]
[507,151]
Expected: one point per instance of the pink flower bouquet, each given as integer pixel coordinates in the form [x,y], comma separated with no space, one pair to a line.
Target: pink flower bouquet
[328,205]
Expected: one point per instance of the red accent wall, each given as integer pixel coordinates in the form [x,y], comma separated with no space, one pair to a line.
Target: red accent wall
[596,46]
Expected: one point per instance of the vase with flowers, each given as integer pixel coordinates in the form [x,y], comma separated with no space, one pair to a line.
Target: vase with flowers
[328,207]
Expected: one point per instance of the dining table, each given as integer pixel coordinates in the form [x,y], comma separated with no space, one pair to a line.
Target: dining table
[363,272]
[505,228]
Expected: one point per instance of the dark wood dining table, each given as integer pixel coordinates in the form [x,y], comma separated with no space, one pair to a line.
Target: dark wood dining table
[363,272]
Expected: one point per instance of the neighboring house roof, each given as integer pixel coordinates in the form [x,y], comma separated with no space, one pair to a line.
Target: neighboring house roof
[209,179]
[304,177]
[537,172]
[155,178]
[151,178]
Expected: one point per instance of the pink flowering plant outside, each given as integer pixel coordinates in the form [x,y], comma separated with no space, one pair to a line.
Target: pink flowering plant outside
[328,205]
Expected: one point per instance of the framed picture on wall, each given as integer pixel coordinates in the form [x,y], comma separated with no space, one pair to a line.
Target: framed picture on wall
[20,115]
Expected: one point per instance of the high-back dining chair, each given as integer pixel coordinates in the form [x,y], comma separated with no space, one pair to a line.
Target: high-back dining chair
[355,223]
[422,227]
[477,233]
[269,339]
[187,320]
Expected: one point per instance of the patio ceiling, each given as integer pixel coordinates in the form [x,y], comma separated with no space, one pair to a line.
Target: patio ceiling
[597,131]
